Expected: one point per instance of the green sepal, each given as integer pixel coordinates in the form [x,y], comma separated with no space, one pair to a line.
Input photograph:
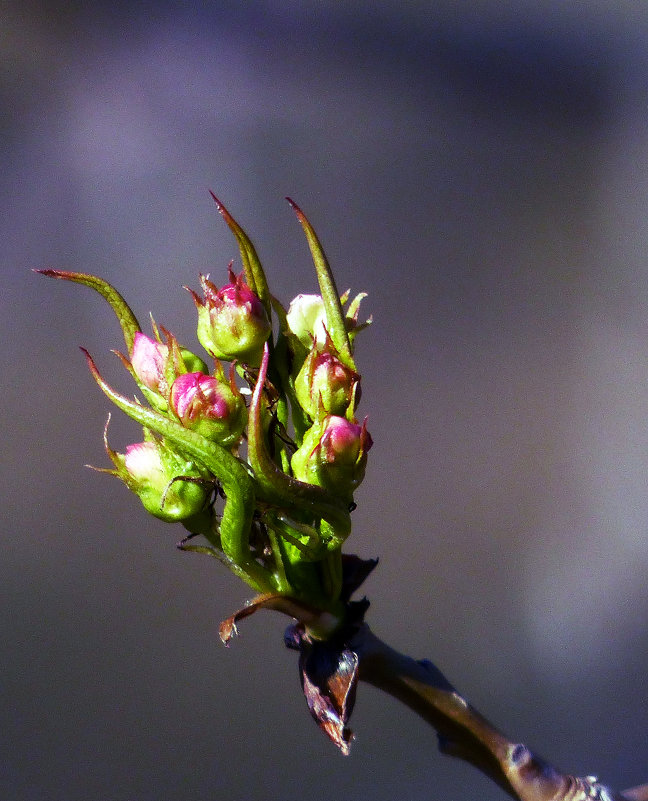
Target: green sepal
[282,356]
[125,316]
[335,318]
[351,314]
[192,363]
[254,274]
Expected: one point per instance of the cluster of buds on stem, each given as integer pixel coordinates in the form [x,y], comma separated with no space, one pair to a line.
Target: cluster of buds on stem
[268,483]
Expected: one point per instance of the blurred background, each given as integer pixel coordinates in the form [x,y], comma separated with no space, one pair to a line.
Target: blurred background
[481,170]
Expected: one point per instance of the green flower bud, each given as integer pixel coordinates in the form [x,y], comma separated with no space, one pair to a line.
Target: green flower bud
[170,487]
[232,321]
[333,455]
[324,385]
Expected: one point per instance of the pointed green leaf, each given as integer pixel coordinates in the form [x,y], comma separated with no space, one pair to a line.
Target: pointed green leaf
[127,319]
[335,322]
[254,274]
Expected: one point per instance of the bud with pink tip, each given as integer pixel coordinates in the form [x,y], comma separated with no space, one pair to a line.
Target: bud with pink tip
[333,455]
[149,360]
[155,365]
[232,321]
[209,406]
[324,385]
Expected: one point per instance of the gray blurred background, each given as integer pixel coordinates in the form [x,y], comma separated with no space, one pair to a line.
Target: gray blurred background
[481,170]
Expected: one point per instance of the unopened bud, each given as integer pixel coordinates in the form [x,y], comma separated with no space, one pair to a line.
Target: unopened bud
[333,455]
[149,359]
[155,366]
[306,319]
[325,385]
[168,487]
[209,406]
[232,321]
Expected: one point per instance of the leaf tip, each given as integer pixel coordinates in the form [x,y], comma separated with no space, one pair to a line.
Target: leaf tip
[221,209]
[300,214]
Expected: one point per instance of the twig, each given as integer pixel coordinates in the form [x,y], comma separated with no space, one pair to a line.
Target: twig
[464,733]
[637,793]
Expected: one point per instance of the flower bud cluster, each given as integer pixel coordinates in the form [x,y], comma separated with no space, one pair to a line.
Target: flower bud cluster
[333,452]
[287,495]
[178,384]
[168,375]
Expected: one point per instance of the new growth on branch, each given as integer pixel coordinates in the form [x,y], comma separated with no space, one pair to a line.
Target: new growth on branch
[257,451]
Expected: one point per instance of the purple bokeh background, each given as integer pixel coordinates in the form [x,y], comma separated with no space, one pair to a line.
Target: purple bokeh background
[482,173]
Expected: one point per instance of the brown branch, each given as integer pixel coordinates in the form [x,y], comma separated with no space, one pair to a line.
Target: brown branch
[637,793]
[464,733]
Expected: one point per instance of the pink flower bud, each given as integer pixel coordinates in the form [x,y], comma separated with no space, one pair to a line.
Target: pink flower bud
[333,455]
[232,321]
[325,385]
[149,360]
[209,406]
[344,444]
[143,462]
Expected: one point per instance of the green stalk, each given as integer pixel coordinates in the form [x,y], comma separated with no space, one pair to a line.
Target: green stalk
[277,487]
